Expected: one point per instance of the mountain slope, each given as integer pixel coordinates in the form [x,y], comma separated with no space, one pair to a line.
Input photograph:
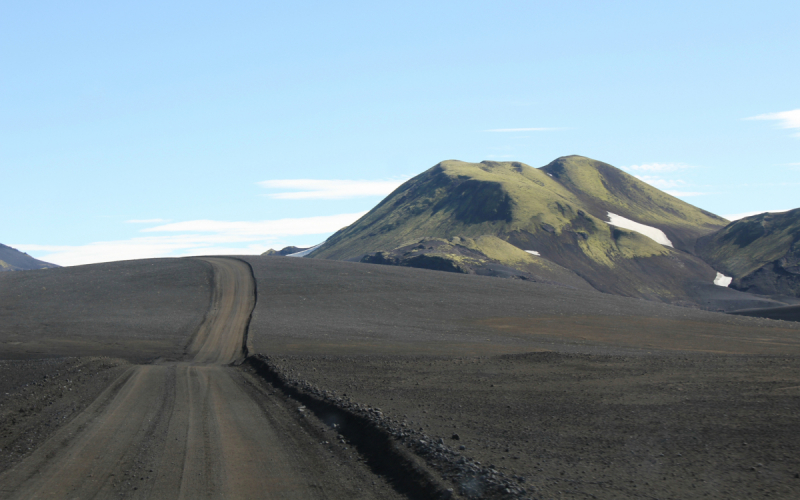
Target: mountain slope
[12,259]
[761,253]
[559,211]
[486,256]
[604,188]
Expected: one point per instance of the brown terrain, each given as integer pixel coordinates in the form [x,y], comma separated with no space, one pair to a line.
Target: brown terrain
[365,381]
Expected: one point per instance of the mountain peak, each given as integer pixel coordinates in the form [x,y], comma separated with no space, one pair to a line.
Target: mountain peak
[560,211]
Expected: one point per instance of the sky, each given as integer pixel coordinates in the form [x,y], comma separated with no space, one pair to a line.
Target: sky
[164,129]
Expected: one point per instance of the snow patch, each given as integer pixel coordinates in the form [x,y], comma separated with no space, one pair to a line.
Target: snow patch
[304,252]
[722,280]
[533,252]
[654,234]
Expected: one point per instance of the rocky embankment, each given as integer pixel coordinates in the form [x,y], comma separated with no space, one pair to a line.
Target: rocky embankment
[460,474]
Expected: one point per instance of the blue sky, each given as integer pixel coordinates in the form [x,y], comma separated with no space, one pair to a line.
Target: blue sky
[144,129]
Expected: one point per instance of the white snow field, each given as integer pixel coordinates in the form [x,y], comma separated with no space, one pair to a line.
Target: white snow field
[722,280]
[654,234]
[305,252]
[533,252]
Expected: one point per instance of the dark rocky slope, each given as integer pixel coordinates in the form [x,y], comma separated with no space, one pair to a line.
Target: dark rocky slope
[761,253]
[12,259]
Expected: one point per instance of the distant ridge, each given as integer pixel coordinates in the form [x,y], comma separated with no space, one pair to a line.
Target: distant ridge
[12,259]
[761,253]
[284,251]
[558,214]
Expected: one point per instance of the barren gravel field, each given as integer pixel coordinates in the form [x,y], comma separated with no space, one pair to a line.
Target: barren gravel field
[552,393]
[366,381]
[136,310]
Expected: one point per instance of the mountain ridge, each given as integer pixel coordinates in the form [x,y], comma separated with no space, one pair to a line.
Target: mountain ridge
[12,259]
[761,253]
[559,211]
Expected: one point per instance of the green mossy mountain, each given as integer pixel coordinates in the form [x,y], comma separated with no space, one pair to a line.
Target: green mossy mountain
[761,253]
[12,259]
[558,210]
[603,188]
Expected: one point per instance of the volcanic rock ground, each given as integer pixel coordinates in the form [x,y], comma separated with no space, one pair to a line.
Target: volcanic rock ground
[360,377]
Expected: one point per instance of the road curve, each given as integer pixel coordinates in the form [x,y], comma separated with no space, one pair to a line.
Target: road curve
[180,430]
[220,338]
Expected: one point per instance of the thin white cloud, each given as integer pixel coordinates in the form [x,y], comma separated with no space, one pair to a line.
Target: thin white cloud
[685,194]
[732,217]
[146,221]
[200,237]
[660,183]
[666,185]
[248,229]
[657,167]
[329,189]
[785,119]
[528,129]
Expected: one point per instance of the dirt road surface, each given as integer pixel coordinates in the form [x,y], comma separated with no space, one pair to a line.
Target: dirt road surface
[191,429]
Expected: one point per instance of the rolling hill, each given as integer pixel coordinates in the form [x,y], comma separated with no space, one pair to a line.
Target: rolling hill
[559,214]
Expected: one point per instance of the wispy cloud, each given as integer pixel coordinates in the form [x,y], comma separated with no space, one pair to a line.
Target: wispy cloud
[661,183]
[146,221]
[742,215]
[528,129]
[645,171]
[785,119]
[250,229]
[329,189]
[657,167]
[199,237]
[685,194]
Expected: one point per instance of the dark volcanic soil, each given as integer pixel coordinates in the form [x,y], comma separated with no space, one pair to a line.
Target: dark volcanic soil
[582,394]
[584,426]
[309,306]
[38,396]
[562,393]
[789,313]
[136,310]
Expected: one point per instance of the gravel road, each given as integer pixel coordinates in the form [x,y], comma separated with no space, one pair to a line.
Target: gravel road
[198,428]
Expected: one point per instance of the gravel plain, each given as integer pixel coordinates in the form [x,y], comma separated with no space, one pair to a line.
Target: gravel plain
[490,388]
[551,392]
